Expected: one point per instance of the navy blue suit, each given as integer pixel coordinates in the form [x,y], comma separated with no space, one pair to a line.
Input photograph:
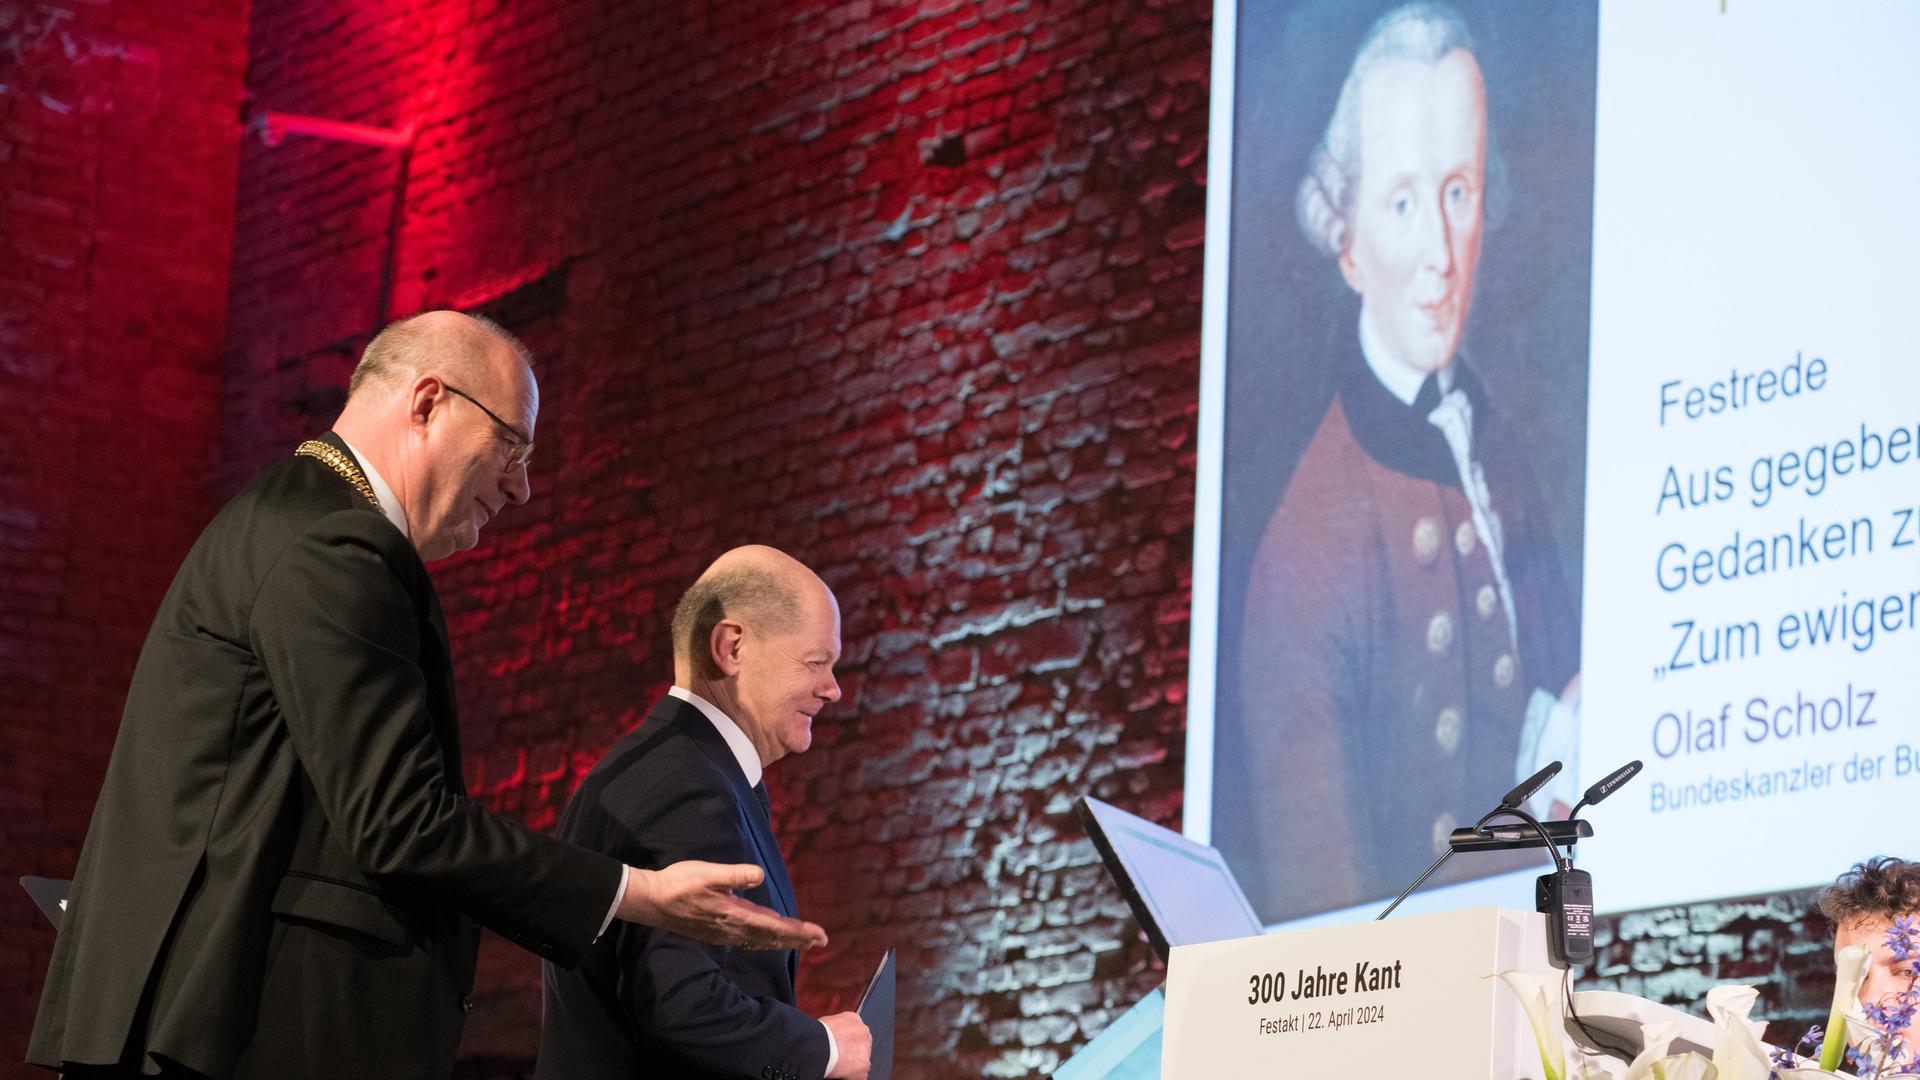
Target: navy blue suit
[653,1002]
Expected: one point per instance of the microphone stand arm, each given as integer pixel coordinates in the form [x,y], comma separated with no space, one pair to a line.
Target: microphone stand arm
[1408,891]
[1499,811]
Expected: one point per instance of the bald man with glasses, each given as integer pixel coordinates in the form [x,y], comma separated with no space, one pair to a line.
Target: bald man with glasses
[519,444]
[283,876]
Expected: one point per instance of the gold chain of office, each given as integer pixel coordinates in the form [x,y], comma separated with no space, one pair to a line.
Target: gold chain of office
[330,456]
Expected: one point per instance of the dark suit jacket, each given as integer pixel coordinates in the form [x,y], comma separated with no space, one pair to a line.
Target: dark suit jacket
[651,1002]
[282,873]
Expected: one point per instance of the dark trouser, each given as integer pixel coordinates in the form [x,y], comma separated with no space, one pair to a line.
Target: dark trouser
[127,1072]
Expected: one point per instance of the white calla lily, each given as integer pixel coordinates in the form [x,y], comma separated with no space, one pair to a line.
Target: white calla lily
[1595,1067]
[1547,1034]
[1850,968]
[1653,1055]
[1737,1053]
[1686,1067]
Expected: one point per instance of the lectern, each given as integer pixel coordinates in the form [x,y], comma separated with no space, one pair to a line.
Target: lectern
[1414,996]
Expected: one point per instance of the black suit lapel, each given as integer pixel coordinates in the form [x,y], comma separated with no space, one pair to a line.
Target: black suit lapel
[446,717]
[691,720]
[776,869]
[436,655]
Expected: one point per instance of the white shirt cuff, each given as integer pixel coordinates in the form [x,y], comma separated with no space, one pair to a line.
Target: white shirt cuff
[833,1049]
[619,894]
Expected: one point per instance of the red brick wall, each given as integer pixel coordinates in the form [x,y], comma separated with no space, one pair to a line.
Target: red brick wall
[908,289]
[118,140]
[1780,944]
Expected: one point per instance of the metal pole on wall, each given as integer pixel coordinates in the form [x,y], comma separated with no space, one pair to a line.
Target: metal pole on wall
[273,127]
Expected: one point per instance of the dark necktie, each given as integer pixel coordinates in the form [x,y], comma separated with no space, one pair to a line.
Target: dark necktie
[760,792]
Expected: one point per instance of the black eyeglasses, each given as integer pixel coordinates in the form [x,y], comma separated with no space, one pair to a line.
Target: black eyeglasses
[521,448]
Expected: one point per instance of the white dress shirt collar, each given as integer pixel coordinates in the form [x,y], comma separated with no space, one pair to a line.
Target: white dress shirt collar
[1401,379]
[389,502]
[737,740]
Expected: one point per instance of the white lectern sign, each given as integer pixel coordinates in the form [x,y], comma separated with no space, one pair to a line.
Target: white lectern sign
[1404,997]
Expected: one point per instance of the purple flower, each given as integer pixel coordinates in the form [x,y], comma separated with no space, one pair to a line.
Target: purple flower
[1901,937]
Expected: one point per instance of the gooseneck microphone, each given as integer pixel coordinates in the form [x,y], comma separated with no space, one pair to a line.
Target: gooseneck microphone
[1607,785]
[1564,896]
[1508,805]
[1525,790]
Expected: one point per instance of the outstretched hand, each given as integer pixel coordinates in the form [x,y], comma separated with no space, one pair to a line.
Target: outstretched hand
[697,899]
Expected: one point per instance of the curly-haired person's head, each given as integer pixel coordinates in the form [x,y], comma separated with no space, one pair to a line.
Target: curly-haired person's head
[1864,905]
[1881,888]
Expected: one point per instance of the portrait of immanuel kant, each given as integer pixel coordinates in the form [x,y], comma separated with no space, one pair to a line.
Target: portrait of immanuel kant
[1409,645]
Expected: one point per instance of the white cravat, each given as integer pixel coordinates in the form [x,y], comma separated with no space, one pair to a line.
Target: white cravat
[1454,417]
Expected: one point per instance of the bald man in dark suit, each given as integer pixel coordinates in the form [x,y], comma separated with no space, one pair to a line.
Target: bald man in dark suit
[755,640]
[283,876]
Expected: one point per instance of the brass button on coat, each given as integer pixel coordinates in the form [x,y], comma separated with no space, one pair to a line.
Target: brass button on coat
[1426,540]
[1447,728]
